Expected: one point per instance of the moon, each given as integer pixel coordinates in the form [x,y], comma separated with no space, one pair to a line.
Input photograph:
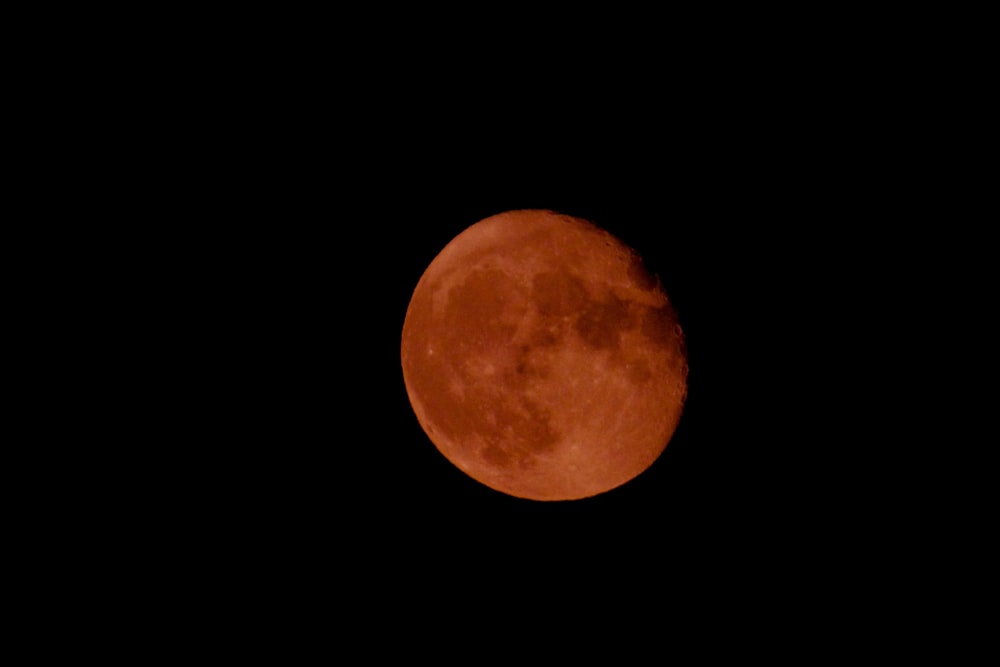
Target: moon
[542,358]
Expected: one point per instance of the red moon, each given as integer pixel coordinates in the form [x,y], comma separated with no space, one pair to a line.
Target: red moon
[542,359]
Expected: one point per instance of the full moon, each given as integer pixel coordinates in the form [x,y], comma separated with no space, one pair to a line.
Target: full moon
[542,358]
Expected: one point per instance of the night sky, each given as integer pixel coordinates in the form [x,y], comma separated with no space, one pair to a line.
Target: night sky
[260,226]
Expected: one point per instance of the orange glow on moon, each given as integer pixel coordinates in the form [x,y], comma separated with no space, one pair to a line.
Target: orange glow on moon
[542,359]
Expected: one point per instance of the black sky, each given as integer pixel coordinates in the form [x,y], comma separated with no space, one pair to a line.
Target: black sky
[261,209]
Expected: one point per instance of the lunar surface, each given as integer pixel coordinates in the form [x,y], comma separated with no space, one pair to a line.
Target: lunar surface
[542,359]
